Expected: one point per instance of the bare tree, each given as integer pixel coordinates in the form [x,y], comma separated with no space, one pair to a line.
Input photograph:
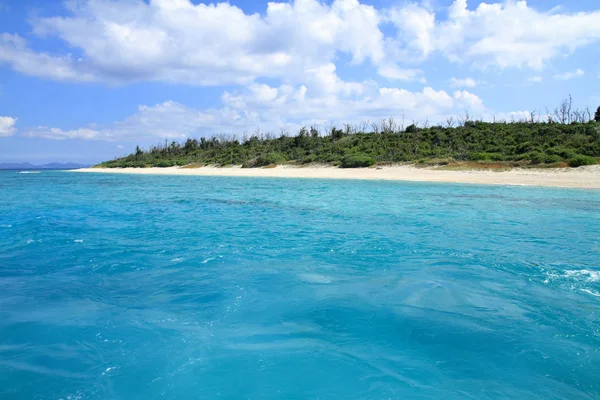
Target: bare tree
[587,114]
[450,122]
[363,126]
[563,112]
[388,125]
[348,129]
[403,119]
[375,127]
[532,115]
[464,118]
[549,116]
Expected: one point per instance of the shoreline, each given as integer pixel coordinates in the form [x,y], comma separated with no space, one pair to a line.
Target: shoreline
[582,177]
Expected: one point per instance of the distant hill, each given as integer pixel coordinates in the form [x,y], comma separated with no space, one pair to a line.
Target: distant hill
[22,166]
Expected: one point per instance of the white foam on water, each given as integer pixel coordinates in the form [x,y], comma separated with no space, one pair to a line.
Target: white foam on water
[78,240]
[581,275]
[210,259]
[107,370]
[315,278]
[177,259]
[72,397]
[593,293]
[589,276]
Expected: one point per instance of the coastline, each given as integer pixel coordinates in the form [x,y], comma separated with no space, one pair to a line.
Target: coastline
[582,177]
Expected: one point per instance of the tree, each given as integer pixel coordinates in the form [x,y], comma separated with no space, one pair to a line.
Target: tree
[412,128]
[597,116]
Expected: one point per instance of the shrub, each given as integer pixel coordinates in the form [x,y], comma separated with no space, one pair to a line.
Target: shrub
[580,160]
[562,152]
[536,157]
[163,164]
[134,164]
[271,159]
[551,159]
[264,160]
[358,161]
[309,159]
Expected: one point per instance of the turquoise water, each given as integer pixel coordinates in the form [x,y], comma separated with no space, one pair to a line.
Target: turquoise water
[143,287]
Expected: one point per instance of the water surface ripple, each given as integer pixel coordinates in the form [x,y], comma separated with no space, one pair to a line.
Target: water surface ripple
[144,287]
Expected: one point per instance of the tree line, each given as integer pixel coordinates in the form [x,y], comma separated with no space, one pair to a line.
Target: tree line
[564,136]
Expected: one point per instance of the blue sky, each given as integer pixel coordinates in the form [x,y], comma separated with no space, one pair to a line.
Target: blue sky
[88,80]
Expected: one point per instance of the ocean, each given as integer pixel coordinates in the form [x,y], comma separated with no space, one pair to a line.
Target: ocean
[174,287]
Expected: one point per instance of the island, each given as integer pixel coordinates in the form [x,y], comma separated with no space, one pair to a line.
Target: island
[548,153]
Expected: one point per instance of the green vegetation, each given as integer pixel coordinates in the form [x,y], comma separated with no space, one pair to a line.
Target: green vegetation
[265,160]
[358,161]
[556,142]
[579,160]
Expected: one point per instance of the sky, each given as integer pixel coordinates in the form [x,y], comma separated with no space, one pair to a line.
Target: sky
[88,80]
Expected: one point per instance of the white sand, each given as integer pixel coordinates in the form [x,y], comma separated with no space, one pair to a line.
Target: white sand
[582,177]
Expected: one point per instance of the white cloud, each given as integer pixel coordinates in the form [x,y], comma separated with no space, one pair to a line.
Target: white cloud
[391,71]
[416,32]
[464,82]
[178,41]
[329,100]
[472,101]
[570,75]
[507,34]
[7,126]
[14,50]
[535,79]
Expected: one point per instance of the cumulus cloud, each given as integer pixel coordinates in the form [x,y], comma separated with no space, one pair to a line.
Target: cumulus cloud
[570,75]
[7,126]
[269,108]
[507,34]
[179,41]
[14,51]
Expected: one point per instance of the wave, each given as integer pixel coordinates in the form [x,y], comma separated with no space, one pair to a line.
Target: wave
[587,275]
[592,292]
[579,275]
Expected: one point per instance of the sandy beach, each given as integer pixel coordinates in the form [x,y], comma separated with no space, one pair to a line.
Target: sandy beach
[583,177]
